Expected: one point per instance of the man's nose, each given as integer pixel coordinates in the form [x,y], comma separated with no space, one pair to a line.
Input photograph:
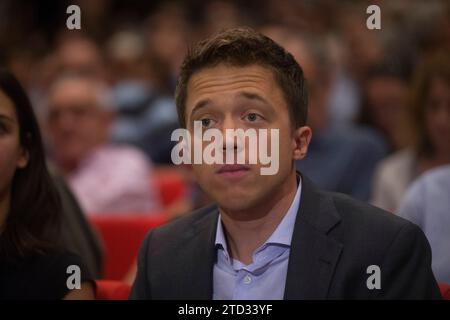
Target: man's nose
[228,125]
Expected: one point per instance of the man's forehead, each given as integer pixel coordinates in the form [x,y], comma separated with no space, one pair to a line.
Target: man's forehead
[228,76]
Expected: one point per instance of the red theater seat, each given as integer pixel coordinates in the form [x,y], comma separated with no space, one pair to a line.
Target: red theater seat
[112,290]
[122,236]
[170,184]
[445,290]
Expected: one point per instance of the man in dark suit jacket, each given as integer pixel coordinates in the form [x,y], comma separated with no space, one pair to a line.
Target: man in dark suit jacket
[271,236]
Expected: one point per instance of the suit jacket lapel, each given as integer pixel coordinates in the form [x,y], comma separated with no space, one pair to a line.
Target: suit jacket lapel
[200,259]
[314,254]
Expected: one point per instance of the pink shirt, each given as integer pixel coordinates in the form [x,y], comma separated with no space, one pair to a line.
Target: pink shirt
[115,179]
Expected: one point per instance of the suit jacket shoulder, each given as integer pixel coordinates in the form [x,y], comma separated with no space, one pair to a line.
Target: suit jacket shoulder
[352,241]
[336,243]
[175,261]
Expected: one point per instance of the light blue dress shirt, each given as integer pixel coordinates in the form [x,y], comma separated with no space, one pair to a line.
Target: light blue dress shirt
[427,204]
[265,277]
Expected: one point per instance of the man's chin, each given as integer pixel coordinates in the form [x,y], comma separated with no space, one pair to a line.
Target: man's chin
[238,204]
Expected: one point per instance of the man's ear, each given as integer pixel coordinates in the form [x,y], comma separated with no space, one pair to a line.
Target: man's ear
[23,159]
[301,138]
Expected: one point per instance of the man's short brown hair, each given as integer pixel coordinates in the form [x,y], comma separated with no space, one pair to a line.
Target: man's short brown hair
[242,47]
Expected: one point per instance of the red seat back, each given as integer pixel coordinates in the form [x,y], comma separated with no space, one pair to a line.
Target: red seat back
[171,186]
[112,290]
[122,236]
[445,290]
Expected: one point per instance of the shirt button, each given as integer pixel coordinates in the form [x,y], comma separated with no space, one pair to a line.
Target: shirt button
[247,279]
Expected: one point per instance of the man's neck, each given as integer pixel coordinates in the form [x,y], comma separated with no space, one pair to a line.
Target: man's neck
[245,236]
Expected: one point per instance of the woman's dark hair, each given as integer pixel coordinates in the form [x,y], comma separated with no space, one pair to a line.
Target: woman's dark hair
[434,66]
[33,221]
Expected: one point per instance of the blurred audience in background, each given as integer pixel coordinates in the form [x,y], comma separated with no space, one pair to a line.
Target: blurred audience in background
[340,158]
[385,101]
[146,114]
[78,53]
[427,127]
[106,178]
[379,99]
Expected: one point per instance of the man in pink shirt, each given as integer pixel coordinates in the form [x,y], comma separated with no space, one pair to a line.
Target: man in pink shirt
[105,178]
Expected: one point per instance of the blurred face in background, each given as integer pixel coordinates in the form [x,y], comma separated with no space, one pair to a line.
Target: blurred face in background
[387,101]
[78,123]
[318,86]
[80,55]
[221,15]
[12,155]
[437,116]
[168,36]
[362,46]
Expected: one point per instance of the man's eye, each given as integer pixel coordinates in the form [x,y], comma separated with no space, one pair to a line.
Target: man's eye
[252,117]
[206,123]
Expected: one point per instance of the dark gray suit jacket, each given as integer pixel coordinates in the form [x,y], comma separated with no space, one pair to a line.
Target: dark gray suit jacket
[335,240]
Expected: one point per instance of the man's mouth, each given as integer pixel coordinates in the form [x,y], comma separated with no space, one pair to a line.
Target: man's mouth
[233,170]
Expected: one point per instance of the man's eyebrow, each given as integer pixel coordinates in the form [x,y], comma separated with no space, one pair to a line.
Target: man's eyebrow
[199,105]
[248,95]
[254,96]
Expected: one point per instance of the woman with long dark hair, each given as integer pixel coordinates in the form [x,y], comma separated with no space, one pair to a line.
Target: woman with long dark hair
[32,264]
